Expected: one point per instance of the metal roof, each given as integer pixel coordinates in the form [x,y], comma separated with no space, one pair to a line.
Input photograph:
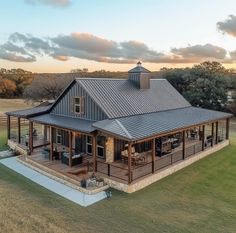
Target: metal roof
[65,122]
[30,112]
[120,98]
[139,69]
[146,125]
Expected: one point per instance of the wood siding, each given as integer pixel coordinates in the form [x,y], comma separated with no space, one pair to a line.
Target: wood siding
[65,105]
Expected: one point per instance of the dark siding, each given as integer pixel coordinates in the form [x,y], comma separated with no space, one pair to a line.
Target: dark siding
[65,106]
[119,145]
[65,137]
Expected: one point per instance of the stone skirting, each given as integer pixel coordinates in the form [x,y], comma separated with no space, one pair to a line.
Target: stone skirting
[16,147]
[145,181]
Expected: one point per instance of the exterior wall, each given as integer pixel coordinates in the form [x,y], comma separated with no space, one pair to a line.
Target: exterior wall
[65,106]
[141,80]
[144,182]
[64,137]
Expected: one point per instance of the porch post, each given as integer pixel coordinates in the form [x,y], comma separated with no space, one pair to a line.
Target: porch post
[8,127]
[51,142]
[18,124]
[70,148]
[45,134]
[227,129]
[30,137]
[95,153]
[203,137]
[129,163]
[153,154]
[212,134]
[199,130]
[184,144]
[217,126]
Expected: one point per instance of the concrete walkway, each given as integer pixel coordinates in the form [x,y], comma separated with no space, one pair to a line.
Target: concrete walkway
[52,185]
[6,154]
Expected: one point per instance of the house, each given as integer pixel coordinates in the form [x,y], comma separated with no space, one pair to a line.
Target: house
[131,132]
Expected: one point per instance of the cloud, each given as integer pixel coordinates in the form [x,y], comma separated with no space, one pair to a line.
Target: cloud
[25,47]
[60,3]
[201,51]
[228,26]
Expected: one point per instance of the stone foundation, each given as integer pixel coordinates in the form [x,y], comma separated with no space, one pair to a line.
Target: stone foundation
[16,147]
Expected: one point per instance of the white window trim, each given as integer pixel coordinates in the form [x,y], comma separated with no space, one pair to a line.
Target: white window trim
[76,104]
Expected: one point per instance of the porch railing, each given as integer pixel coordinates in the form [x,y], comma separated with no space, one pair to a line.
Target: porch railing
[120,172]
[112,170]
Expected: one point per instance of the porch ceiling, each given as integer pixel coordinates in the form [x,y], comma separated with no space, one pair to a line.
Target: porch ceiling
[147,125]
[75,124]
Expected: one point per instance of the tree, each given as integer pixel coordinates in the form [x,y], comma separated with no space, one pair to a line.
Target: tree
[47,86]
[204,85]
[208,86]
[19,77]
[7,87]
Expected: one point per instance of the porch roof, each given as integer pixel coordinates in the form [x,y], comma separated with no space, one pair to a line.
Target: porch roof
[69,123]
[142,126]
[30,112]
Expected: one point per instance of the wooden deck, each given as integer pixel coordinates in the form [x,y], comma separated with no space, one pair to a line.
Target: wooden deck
[117,170]
[77,172]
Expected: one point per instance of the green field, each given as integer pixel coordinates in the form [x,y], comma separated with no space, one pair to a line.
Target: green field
[200,198]
[5,106]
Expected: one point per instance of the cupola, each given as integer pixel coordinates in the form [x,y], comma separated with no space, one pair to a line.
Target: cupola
[140,76]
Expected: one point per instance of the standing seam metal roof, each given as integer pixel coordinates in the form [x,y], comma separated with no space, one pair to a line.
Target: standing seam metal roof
[146,125]
[120,98]
[30,112]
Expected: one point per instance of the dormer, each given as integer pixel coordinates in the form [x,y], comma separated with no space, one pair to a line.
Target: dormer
[140,76]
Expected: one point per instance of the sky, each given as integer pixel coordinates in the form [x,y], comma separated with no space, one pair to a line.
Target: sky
[60,35]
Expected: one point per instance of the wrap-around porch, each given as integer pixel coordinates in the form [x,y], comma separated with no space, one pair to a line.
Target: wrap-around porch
[78,154]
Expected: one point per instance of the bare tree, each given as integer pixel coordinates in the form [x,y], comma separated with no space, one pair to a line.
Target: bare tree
[47,86]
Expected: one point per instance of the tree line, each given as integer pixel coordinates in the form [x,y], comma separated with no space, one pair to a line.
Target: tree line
[204,85]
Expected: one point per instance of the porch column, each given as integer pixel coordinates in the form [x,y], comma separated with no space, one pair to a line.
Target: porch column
[129,163]
[51,142]
[227,129]
[217,126]
[184,144]
[70,148]
[30,137]
[95,153]
[153,154]
[18,124]
[45,134]
[212,134]
[8,127]
[203,137]
[199,130]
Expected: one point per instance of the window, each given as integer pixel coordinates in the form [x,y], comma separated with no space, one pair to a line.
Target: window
[89,146]
[78,105]
[101,140]
[58,136]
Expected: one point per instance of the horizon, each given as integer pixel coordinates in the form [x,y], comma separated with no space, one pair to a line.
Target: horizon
[106,36]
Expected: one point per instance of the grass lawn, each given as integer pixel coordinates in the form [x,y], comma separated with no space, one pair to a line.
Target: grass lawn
[3,139]
[200,198]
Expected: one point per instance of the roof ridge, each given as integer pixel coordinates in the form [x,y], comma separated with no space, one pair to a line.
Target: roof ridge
[123,128]
[107,79]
